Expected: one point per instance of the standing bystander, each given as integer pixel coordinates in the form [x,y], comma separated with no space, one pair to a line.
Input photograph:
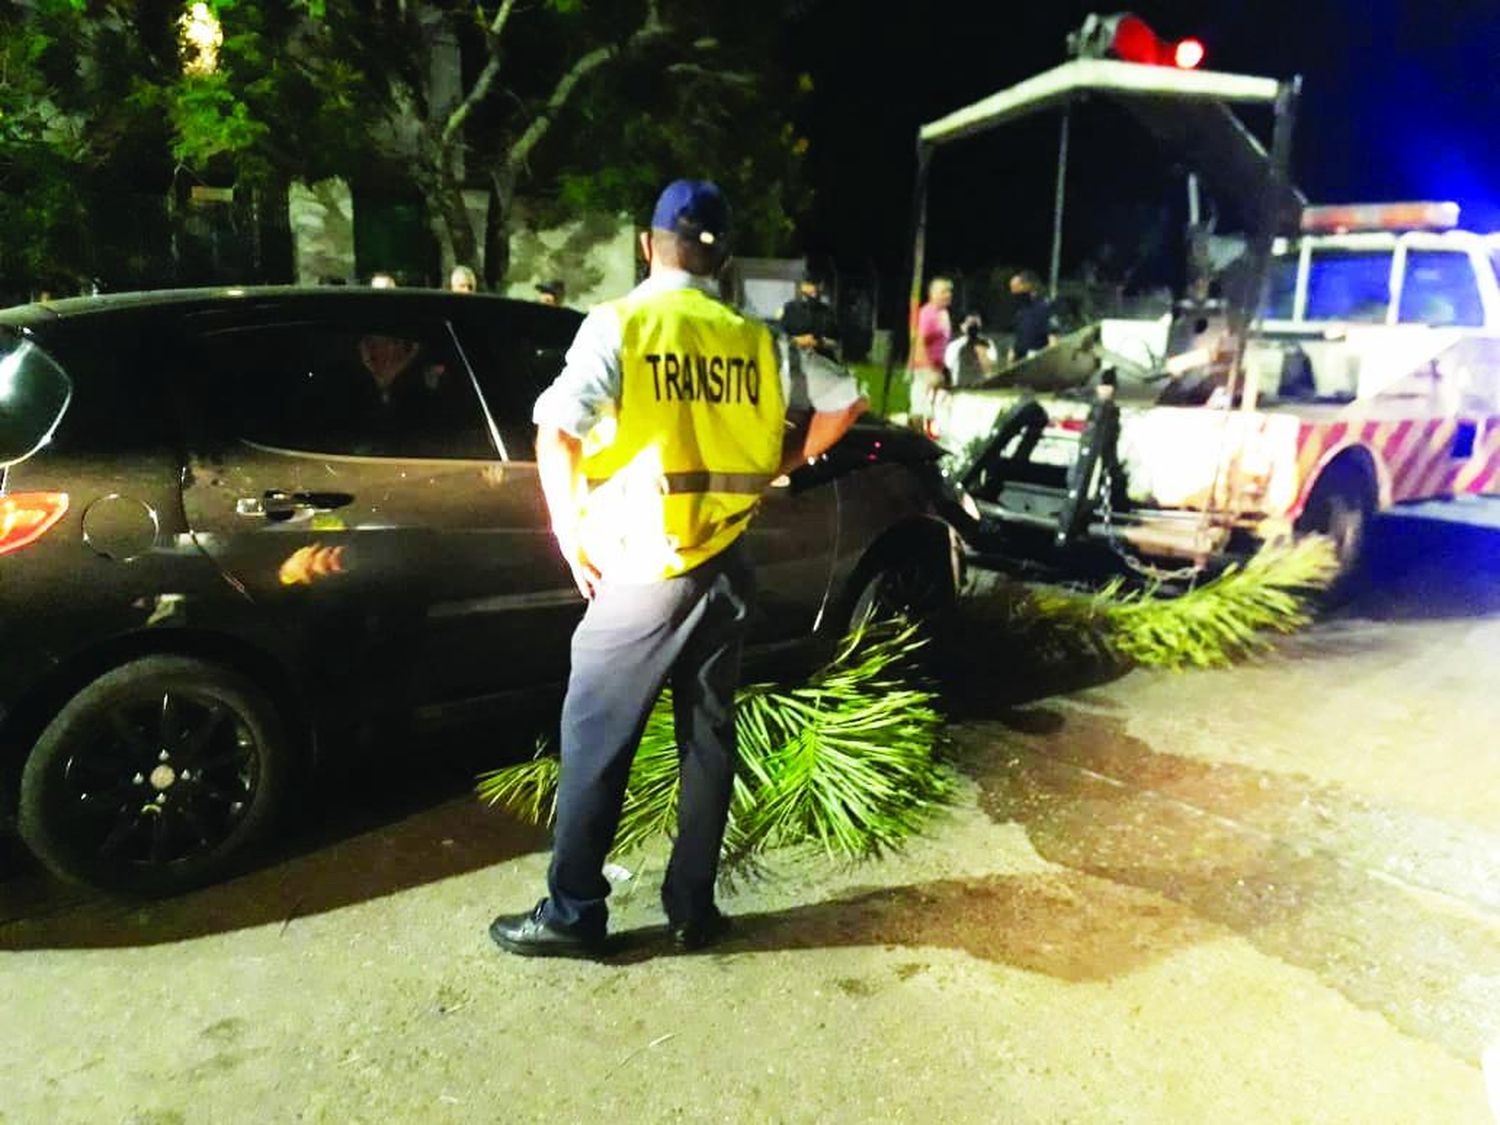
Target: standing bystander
[930,345]
[809,320]
[1036,322]
[654,445]
[972,357]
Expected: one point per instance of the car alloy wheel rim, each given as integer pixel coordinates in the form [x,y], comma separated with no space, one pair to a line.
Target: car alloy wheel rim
[908,591]
[162,781]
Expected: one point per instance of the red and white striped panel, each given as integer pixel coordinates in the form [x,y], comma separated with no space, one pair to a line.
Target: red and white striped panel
[1417,455]
[1423,466]
[1480,474]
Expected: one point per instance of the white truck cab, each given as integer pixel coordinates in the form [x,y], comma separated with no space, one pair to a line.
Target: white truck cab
[1384,302]
[1360,265]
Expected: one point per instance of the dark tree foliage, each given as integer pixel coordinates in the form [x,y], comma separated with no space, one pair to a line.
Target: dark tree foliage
[572,105]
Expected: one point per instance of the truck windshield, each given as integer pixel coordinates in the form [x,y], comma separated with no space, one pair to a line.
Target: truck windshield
[1349,285]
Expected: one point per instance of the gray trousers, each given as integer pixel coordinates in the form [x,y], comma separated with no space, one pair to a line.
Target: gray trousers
[688,632]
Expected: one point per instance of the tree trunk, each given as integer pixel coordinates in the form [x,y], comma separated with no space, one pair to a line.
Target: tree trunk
[497,230]
[462,246]
[443,189]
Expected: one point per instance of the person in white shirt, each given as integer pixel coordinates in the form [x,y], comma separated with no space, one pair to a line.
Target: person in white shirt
[971,357]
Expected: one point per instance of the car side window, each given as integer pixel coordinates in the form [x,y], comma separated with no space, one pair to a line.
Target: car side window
[515,358]
[1440,290]
[374,390]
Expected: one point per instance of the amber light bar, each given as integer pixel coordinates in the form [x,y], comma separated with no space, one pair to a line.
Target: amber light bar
[1379,216]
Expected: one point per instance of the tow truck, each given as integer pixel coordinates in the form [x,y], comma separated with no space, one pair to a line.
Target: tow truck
[1356,367]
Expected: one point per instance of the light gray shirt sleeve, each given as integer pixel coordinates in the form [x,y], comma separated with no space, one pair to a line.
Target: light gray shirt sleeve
[814,382]
[588,387]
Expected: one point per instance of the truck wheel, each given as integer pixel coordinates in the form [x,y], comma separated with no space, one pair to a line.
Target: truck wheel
[1341,507]
[154,778]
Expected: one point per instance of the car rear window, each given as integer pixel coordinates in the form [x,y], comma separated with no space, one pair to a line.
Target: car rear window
[34,394]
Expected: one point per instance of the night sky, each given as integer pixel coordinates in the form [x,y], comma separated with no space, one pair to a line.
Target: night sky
[1400,100]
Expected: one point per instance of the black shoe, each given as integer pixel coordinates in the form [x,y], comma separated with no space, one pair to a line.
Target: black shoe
[531,935]
[700,933]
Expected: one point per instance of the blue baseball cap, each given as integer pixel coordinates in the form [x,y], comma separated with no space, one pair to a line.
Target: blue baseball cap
[693,208]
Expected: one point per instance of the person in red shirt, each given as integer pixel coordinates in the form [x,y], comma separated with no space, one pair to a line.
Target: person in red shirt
[934,331]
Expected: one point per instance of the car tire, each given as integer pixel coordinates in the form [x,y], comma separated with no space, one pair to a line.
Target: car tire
[916,584]
[155,778]
[1341,507]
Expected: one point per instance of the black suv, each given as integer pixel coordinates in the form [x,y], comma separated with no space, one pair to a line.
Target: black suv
[236,523]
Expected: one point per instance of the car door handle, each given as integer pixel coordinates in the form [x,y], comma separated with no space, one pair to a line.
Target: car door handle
[275,504]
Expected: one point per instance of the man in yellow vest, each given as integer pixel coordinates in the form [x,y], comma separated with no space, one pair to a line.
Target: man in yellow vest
[654,445]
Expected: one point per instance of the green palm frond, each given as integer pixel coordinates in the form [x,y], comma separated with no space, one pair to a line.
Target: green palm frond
[651,792]
[528,789]
[850,762]
[847,762]
[853,762]
[1210,626]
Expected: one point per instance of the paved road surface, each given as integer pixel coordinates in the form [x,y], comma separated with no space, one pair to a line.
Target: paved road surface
[1269,894]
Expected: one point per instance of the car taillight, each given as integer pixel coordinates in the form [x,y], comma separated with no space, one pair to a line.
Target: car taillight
[26,516]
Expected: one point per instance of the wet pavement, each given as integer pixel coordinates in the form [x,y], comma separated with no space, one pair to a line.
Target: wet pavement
[1396,911]
[1265,894]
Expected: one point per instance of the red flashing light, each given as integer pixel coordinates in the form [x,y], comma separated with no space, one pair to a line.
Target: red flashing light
[1134,41]
[26,516]
[1127,37]
[1189,54]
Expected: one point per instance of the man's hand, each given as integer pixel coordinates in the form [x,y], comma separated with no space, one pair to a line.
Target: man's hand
[806,340]
[585,574]
[559,456]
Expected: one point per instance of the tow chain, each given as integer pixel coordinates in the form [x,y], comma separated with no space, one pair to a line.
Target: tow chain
[1155,574]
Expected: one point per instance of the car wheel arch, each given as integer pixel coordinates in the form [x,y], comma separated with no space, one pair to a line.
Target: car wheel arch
[46,699]
[922,535]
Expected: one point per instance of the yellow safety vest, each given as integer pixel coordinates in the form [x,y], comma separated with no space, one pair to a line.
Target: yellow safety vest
[675,473]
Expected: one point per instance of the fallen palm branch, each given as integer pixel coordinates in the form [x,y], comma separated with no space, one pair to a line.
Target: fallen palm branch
[1210,626]
[850,762]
